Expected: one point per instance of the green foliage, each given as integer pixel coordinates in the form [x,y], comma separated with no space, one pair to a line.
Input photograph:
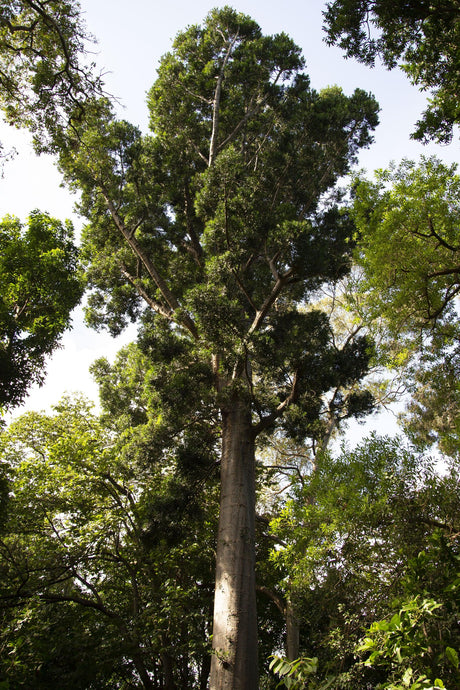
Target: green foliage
[408,227]
[432,415]
[296,675]
[160,398]
[215,233]
[216,223]
[413,644]
[351,536]
[39,287]
[421,36]
[45,78]
[106,572]
[401,636]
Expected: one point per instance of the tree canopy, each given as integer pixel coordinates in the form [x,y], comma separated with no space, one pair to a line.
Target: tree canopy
[106,571]
[421,36]
[45,76]
[408,225]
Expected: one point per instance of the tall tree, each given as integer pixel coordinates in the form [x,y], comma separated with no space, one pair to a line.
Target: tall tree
[422,36]
[45,77]
[219,229]
[433,413]
[39,287]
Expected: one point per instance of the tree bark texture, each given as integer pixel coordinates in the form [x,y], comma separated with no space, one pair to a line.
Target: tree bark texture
[234,664]
[292,633]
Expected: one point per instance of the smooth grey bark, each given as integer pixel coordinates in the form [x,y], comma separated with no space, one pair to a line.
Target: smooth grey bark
[234,664]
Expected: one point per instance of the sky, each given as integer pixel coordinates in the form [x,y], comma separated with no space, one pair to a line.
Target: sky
[131,38]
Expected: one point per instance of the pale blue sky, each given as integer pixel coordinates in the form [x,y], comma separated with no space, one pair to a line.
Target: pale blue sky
[132,36]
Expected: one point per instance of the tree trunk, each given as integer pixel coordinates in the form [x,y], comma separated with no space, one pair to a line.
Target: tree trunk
[168,675]
[204,672]
[234,664]
[292,633]
[138,662]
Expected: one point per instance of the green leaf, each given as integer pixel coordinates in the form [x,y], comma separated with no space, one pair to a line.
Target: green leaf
[407,677]
[452,655]
[395,621]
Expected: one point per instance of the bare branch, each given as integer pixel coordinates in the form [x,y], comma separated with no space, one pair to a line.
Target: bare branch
[216,102]
[263,311]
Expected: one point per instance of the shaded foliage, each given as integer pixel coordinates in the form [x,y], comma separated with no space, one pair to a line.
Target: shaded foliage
[106,572]
[39,287]
[421,36]
[45,77]
[352,535]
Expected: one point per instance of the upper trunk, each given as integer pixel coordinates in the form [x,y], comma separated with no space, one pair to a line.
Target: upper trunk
[292,633]
[234,663]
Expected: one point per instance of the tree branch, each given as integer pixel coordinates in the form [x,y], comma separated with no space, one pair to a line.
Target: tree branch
[216,103]
[269,419]
[276,598]
[263,311]
[168,296]
[136,283]
[455,270]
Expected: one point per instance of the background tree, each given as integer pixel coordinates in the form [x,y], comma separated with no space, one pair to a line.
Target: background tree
[351,535]
[432,414]
[420,36]
[408,225]
[219,226]
[407,222]
[107,572]
[45,77]
[45,80]
[39,287]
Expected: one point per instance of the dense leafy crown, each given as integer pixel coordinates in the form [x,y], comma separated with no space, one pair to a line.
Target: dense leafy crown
[223,222]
